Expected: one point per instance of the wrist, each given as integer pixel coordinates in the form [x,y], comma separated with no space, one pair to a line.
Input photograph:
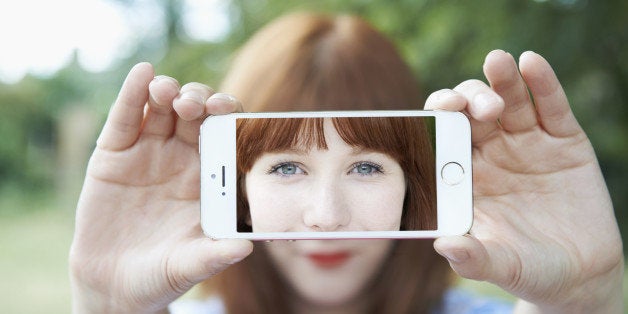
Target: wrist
[89,305]
[604,296]
[93,302]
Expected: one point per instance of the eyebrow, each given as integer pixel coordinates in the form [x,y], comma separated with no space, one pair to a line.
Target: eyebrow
[363,150]
[298,151]
[357,150]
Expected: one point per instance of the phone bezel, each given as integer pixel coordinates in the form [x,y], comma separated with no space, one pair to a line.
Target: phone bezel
[218,203]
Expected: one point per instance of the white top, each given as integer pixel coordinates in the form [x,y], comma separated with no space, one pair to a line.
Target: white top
[454,301]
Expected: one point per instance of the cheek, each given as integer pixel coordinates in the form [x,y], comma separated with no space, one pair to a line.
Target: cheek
[378,207]
[272,208]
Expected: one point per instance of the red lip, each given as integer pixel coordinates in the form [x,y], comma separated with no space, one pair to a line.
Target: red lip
[329,260]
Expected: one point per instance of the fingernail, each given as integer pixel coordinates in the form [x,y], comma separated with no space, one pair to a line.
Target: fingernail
[141,64]
[235,260]
[444,94]
[457,256]
[164,78]
[192,96]
[224,96]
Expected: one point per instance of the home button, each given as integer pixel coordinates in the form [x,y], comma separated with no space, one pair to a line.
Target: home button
[452,173]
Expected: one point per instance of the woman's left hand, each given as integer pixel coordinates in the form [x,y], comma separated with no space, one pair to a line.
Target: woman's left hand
[544,227]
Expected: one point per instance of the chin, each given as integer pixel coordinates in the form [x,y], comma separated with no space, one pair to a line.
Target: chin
[331,298]
[329,293]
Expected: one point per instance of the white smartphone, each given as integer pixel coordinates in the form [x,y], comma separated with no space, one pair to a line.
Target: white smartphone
[336,175]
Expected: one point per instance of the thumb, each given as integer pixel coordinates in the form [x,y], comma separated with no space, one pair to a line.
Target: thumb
[204,258]
[468,257]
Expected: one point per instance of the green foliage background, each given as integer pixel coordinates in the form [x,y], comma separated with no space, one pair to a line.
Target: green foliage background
[444,42]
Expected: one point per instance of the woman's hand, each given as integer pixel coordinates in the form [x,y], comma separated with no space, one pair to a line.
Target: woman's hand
[544,227]
[138,244]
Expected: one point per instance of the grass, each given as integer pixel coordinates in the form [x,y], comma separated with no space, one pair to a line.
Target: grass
[33,262]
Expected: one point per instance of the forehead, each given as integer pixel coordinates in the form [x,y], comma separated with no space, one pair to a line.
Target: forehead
[306,134]
[389,135]
[334,145]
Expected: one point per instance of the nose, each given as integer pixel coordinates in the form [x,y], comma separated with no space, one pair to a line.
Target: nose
[327,210]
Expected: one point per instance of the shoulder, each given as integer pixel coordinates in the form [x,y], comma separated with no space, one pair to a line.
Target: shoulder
[192,306]
[454,301]
[464,302]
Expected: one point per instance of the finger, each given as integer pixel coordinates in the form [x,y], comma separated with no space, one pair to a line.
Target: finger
[221,103]
[502,73]
[218,103]
[190,103]
[445,99]
[551,103]
[468,257]
[190,107]
[124,122]
[159,119]
[484,106]
[450,100]
[483,103]
[204,258]
[484,261]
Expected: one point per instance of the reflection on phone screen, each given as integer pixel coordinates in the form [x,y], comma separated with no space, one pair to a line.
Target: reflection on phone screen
[335,174]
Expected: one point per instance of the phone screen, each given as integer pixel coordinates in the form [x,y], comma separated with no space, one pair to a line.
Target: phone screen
[336,174]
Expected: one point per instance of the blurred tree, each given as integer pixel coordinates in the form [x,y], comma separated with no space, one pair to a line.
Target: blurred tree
[28,127]
[444,42]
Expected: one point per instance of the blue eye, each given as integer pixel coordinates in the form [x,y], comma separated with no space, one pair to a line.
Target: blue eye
[366,168]
[286,169]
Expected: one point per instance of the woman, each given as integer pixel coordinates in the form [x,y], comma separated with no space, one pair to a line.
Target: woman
[544,228]
[335,174]
[322,63]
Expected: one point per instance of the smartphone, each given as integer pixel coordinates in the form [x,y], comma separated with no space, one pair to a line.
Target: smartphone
[336,175]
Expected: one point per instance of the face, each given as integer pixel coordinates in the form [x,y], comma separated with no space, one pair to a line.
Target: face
[342,188]
[329,273]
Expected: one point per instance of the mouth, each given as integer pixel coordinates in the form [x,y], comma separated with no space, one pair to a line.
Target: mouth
[329,260]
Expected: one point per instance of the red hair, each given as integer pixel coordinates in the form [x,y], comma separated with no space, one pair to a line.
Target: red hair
[405,139]
[318,62]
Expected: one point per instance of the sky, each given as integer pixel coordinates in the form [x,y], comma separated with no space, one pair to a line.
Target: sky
[40,36]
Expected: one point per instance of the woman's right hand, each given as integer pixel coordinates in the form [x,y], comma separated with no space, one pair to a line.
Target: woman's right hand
[544,227]
[138,244]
